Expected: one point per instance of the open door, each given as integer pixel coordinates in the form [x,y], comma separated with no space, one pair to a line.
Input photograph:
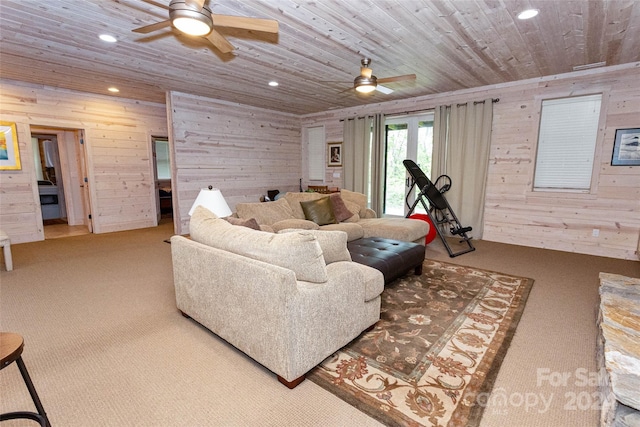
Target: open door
[59,157]
[162,177]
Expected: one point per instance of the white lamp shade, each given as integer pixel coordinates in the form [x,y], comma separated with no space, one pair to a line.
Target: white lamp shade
[212,199]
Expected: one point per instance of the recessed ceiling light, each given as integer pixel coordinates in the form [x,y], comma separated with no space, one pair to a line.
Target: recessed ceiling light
[108,38]
[273,83]
[527,14]
[113,89]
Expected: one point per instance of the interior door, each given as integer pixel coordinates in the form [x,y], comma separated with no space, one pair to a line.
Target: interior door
[406,137]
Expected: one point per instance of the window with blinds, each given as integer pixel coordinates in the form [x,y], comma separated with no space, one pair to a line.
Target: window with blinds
[315,152]
[566,143]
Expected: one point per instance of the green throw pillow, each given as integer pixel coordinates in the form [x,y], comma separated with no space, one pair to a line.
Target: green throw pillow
[319,211]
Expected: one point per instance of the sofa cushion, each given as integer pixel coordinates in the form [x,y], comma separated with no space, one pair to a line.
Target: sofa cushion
[333,244]
[265,212]
[251,222]
[295,223]
[294,200]
[340,209]
[405,229]
[298,252]
[353,230]
[319,211]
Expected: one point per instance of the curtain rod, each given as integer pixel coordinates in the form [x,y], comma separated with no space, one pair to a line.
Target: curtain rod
[493,100]
[354,118]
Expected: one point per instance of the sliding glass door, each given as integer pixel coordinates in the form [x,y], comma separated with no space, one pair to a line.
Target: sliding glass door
[406,137]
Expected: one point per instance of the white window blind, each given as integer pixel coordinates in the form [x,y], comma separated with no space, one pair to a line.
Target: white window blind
[566,144]
[316,151]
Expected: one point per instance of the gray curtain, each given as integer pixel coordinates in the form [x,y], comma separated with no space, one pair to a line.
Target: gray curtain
[462,135]
[363,157]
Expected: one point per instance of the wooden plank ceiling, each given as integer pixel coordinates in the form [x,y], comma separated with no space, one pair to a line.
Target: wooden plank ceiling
[448,44]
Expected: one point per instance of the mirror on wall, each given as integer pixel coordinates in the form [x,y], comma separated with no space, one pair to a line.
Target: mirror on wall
[45,157]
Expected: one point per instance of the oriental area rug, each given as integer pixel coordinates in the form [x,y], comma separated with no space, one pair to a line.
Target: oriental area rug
[435,353]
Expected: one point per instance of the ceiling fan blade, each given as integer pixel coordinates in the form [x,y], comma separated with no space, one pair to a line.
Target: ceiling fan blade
[152,27]
[220,42]
[397,78]
[384,89]
[256,24]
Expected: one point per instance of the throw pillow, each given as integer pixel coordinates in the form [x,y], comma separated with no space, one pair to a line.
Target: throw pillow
[294,200]
[319,211]
[251,222]
[340,210]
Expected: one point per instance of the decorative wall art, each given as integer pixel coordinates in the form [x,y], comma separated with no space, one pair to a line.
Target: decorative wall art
[9,150]
[335,154]
[626,148]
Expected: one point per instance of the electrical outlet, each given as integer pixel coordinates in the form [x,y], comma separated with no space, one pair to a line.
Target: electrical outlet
[595,232]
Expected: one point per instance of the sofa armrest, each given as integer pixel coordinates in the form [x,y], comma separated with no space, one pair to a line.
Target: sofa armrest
[295,223]
[369,213]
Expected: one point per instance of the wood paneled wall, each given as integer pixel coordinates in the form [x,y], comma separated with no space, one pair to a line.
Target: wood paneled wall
[513,212]
[243,151]
[118,147]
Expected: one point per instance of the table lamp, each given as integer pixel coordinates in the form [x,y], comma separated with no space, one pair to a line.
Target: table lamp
[212,199]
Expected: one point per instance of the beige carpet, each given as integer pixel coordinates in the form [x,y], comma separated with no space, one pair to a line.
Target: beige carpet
[106,347]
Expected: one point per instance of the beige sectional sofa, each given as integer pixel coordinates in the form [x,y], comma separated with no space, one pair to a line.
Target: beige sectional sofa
[351,215]
[287,300]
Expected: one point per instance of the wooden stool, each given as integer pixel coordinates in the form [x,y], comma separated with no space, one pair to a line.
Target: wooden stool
[11,346]
[5,242]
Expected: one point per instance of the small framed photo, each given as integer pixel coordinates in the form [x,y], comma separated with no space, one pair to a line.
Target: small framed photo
[335,154]
[9,149]
[626,148]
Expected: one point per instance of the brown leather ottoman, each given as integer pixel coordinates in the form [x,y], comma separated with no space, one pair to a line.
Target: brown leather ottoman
[393,258]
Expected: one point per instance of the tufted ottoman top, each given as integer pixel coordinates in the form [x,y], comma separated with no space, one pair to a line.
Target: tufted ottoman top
[393,258]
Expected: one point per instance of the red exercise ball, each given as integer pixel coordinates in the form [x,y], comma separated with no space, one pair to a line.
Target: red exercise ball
[432,228]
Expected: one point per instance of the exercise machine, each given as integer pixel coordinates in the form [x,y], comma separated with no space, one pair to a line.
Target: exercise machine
[431,197]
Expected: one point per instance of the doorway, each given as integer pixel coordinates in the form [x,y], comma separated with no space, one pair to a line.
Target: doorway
[406,137]
[60,168]
[162,176]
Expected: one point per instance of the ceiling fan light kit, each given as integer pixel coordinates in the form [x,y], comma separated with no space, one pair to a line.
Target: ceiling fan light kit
[193,18]
[189,19]
[364,84]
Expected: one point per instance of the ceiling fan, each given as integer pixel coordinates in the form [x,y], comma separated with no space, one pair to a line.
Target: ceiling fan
[366,82]
[192,17]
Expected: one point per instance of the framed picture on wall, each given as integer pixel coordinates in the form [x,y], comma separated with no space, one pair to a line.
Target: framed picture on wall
[626,148]
[335,154]
[9,150]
